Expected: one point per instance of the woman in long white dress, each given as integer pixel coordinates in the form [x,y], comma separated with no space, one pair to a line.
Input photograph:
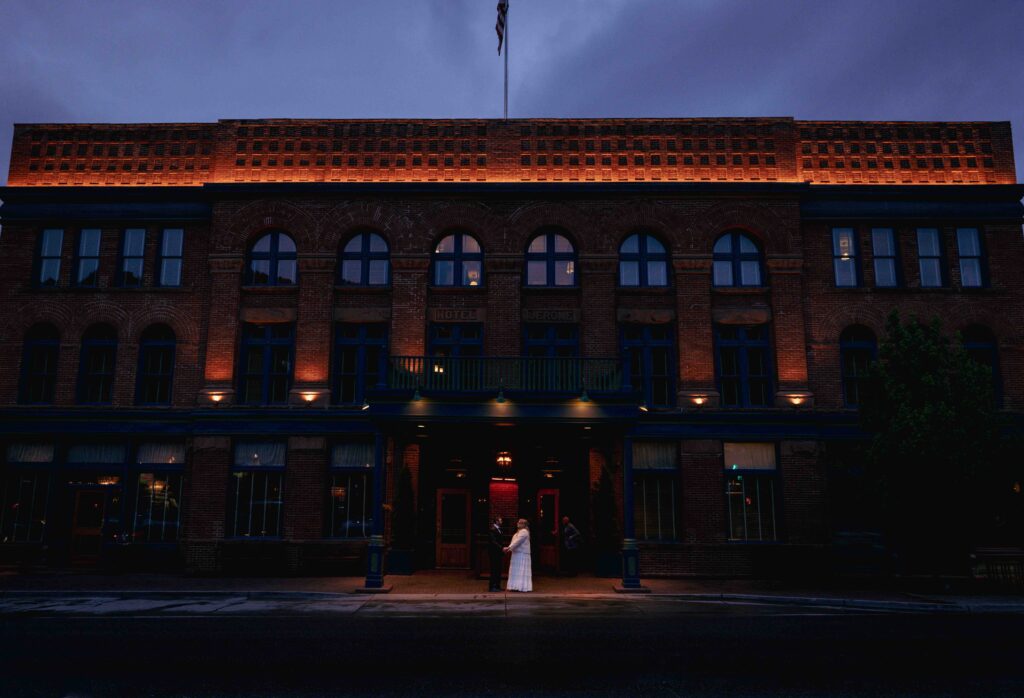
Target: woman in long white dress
[520,570]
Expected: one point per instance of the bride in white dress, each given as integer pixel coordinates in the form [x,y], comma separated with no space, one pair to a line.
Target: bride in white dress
[520,571]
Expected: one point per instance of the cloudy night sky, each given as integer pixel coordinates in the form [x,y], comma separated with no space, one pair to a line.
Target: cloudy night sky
[199,60]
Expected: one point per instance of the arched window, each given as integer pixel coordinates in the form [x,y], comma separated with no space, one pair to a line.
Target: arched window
[643,261]
[364,261]
[156,366]
[980,345]
[550,261]
[96,367]
[737,261]
[857,349]
[272,261]
[39,365]
[458,261]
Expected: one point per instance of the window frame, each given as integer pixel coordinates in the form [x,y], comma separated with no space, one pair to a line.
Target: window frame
[42,258]
[336,471]
[274,257]
[458,258]
[643,257]
[163,257]
[267,343]
[266,471]
[550,258]
[846,348]
[146,346]
[838,257]
[774,477]
[365,257]
[81,258]
[646,344]
[979,258]
[158,471]
[360,344]
[893,258]
[88,346]
[939,257]
[27,375]
[743,344]
[123,258]
[735,258]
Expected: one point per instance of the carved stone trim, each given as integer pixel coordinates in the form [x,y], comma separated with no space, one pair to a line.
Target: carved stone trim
[268,315]
[457,315]
[646,316]
[362,314]
[551,315]
[741,316]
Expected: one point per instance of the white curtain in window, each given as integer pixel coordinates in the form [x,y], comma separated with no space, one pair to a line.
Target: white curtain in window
[357,454]
[170,453]
[254,454]
[654,455]
[30,453]
[748,456]
[96,453]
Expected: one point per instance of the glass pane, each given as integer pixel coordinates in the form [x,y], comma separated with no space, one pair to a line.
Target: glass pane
[565,273]
[723,273]
[846,271]
[446,245]
[134,242]
[629,273]
[285,244]
[280,359]
[928,242]
[539,245]
[931,273]
[750,273]
[885,272]
[262,245]
[49,272]
[970,272]
[842,242]
[52,239]
[536,273]
[286,271]
[631,245]
[172,242]
[729,363]
[747,246]
[562,244]
[723,245]
[89,243]
[654,245]
[882,242]
[352,271]
[281,331]
[260,271]
[377,243]
[355,245]
[967,241]
[132,272]
[378,272]
[756,364]
[170,272]
[87,269]
[254,361]
[471,273]
[657,274]
[444,273]
[737,518]
[470,245]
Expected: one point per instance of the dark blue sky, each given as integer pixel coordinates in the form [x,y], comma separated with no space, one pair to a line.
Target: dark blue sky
[201,60]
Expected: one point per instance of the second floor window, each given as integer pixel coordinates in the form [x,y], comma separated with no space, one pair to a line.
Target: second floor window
[88,260]
[743,363]
[39,365]
[844,256]
[364,261]
[360,360]
[737,261]
[133,248]
[458,261]
[647,353]
[156,366]
[50,246]
[171,245]
[272,261]
[551,340]
[266,363]
[971,268]
[883,249]
[929,254]
[96,369]
[857,348]
[643,261]
[550,261]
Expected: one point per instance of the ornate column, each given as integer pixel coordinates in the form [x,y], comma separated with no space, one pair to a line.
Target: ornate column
[630,551]
[375,552]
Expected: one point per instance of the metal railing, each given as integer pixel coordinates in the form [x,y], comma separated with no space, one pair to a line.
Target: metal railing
[483,374]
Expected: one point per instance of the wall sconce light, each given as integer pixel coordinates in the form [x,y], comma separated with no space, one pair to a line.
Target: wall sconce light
[309,397]
[643,407]
[365,406]
[700,400]
[504,459]
[216,397]
[798,399]
[438,368]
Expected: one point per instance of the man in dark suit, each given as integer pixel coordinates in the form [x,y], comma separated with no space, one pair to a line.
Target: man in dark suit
[494,545]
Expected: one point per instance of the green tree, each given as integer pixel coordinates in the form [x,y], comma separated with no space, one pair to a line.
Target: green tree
[929,409]
[403,521]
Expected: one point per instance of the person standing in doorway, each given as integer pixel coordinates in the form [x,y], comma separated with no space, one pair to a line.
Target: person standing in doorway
[571,540]
[494,547]
[520,571]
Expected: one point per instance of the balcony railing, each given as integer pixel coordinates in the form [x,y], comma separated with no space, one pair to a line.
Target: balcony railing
[511,373]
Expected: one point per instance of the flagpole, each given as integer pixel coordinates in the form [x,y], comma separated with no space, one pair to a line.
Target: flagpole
[506,60]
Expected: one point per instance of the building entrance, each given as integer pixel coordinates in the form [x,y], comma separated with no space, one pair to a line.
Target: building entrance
[87,525]
[453,529]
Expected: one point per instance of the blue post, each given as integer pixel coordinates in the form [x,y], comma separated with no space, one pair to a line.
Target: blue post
[375,552]
[630,552]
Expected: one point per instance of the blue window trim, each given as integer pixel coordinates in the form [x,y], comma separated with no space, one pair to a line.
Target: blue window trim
[981,257]
[274,256]
[360,343]
[32,345]
[79,258]
[854,255]
[146,345]
[943,274]
[550,342]
[41,258]
[456,343]
[161,257]
[332,472]
[550,258]
[643,257]
[847,345]
[364,257]
[778,498]
[744,372]
[230,512]
[265,343]
[88,346]
[123,257]
[645,345]
[895,257]
[458,257]
[736,258]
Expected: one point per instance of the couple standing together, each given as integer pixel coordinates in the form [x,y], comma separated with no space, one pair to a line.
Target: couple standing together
[520,571]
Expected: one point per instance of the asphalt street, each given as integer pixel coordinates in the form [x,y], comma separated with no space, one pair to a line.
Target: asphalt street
[519,647]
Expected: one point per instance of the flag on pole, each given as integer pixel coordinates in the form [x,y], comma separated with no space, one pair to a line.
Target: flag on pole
[500,26]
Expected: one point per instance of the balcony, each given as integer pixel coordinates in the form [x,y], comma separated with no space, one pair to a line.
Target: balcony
[513,374]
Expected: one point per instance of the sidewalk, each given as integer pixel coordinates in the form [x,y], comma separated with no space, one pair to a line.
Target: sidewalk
[458,586]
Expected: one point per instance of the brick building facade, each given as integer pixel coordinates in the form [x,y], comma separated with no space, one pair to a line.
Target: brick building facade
[225,340]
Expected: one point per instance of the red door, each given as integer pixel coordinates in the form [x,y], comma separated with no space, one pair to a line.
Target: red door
[453,529]
[546,540]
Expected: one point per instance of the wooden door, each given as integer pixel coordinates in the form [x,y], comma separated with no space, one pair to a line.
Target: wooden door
[453,529]
[87,525]
[547,535]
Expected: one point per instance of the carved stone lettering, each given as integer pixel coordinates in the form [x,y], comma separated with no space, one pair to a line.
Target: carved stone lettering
[550,315]
[457,314]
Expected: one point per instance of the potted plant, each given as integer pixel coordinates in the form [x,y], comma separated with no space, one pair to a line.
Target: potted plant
[402,555]
[607,539]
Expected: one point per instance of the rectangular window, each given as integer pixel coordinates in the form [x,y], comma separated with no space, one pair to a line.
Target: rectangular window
[655,473]
[256,491]
[133,247]
[929,254]
[454,349]
[158,501]
[969,246]
[88,265]
[883,249]
[844,256]
[743,364]
[350,505]
[750,483]
[26,487]
[266,363]
[552,340]
[50,246]
[360,361]
[648,353]
[171,246]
